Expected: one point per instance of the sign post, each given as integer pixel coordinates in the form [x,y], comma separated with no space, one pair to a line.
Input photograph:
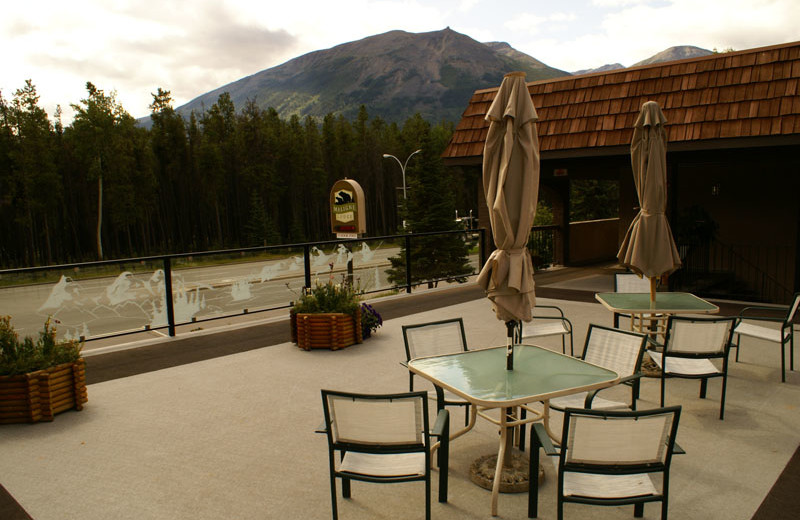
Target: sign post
[348,213]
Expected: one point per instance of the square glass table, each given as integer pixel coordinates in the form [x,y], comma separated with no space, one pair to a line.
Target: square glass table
[480,377]
[642,310]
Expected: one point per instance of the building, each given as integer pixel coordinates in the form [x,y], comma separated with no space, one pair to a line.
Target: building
[733,159]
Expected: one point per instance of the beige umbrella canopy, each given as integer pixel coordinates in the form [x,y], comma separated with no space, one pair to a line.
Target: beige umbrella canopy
[511,185]
[648,248]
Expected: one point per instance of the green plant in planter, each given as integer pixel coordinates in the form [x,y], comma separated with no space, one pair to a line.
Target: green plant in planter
[329,297]
[29,355]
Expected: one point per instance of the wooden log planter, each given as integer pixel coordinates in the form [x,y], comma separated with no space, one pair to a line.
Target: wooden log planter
[38,396]
[332,330]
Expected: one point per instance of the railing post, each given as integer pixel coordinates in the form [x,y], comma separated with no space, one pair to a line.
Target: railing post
[307,264]
[168,296]
[408,263]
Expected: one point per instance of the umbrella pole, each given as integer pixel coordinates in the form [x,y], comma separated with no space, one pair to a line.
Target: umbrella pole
[653,281]
[511,327]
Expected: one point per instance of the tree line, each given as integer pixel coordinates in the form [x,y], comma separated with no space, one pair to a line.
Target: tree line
[104,187]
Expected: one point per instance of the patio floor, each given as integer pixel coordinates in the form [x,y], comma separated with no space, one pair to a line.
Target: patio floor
[233,436]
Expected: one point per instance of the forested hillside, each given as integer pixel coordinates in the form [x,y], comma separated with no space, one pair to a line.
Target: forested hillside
[103,188]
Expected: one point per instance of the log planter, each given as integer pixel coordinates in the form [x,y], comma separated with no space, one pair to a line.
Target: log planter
[332,330]
[38,396]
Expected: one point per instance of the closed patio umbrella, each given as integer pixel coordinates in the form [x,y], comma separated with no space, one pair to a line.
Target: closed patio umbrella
[511,186]
[648,248]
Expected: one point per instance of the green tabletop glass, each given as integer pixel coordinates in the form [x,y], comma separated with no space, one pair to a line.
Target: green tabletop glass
[480,376]
[665,303]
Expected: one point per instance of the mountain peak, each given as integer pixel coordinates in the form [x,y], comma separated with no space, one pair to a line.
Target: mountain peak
[395,75]
[680,52]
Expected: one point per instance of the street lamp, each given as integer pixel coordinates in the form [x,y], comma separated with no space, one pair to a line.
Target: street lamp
[402,167]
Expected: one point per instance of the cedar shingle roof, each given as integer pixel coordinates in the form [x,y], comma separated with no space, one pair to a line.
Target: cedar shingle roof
[751,93]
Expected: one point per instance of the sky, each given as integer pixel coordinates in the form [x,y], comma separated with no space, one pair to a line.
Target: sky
[189,47]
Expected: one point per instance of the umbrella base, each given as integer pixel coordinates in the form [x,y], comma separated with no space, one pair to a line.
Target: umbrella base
[513,480]
[649,368]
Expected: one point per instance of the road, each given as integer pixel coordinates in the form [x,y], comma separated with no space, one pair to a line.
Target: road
[133,301]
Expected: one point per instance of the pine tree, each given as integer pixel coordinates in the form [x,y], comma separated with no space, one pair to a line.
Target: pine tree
[430,207]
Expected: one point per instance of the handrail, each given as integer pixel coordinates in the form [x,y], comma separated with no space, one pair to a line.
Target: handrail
[718,256]
[167,262]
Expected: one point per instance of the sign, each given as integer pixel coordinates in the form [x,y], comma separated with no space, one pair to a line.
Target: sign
[348,209]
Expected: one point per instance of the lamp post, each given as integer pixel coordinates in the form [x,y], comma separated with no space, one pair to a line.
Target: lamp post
[403,170]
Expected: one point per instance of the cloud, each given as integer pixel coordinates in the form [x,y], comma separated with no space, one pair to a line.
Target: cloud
[634,30]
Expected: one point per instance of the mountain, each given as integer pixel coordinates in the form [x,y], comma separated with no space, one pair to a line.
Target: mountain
[604,68]
[395,75]
[680,52]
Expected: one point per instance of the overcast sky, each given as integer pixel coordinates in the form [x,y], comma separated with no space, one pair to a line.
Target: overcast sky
[190,47]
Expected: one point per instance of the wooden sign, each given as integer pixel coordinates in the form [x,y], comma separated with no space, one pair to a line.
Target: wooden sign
[348,209]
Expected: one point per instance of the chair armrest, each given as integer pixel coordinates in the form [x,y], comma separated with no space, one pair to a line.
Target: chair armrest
[441,428]
[322,428]
[632,377]
[544,439]
[558,318]
[776,308]
[652,343]
[587,403]
[774,319]
[560,312]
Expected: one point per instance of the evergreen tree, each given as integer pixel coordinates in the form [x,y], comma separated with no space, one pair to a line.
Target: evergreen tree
[100,131]
[430,208]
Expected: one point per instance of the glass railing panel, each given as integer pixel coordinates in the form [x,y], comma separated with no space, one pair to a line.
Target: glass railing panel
[87,301]
[224,284]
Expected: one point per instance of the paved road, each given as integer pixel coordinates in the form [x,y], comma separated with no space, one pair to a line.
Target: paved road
[93,307]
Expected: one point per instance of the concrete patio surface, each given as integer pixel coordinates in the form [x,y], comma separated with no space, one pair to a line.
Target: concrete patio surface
[233,437]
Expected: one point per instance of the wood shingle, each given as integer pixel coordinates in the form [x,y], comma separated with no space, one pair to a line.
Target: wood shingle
[744,94]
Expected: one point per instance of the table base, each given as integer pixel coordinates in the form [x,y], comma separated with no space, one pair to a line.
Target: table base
[513,480]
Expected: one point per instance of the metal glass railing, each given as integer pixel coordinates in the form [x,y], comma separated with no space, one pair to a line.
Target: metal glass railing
[118,297]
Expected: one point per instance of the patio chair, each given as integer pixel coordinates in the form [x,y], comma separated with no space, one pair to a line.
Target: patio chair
[614,349]
[383,439]
[434,339]
[690,346]
[551,323]
[629,283]
[607,458]
[782,335]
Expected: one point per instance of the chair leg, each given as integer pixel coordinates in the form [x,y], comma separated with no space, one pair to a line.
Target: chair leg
[738,342]
[663,383]
[334,509]
[345,484]
[703,387]
[345,488]
[638,510]
[522,415]
[783,362]
[533,477]
[428,496]
[466,414]
[722,399]
[443,461]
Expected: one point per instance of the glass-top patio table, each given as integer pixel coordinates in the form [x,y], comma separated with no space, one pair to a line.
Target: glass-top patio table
[642,310]
[480,377]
